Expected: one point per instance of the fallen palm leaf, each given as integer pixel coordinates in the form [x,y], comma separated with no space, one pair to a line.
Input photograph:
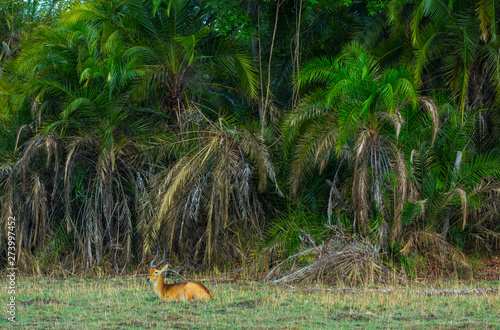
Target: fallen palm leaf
[340,259]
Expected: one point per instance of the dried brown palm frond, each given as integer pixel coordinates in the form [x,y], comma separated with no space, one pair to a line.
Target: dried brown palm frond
[366,149]
[198,207]
[401,195]
[29,189]
[431,106]
[104,223]
[339,260]
[375,157]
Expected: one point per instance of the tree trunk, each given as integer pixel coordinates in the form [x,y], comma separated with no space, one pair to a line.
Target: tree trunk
[254,13]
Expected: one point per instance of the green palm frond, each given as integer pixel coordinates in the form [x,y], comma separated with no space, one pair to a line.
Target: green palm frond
[487,11]
[346,113]
[320,70]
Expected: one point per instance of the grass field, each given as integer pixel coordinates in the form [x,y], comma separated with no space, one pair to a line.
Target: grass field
[130,303]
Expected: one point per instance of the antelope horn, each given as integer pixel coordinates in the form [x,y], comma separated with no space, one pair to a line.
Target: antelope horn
[162,260]
[151,264]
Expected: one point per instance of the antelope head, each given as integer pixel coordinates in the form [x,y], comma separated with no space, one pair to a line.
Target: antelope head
[155,274]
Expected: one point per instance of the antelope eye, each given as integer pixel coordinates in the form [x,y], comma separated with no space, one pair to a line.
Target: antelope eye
[156,272]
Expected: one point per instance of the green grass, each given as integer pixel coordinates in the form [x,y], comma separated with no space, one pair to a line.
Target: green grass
[128,303]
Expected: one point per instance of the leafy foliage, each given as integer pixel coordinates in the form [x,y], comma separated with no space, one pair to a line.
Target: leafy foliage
[255,131]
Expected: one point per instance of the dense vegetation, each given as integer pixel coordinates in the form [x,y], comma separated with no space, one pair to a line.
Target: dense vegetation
[244,132]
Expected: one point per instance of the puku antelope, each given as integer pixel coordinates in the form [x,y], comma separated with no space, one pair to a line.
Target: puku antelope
[179,291]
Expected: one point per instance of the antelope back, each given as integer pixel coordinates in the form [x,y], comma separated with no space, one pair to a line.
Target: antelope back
[186,291]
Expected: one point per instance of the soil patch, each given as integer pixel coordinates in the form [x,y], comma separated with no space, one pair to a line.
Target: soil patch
[41,301]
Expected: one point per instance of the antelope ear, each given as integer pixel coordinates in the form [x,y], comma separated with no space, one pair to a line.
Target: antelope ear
[164,268]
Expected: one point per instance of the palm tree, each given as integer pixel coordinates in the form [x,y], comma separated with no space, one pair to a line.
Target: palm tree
[173,42]
[353,113]
[206,204]
[19,18]
[88,84]
[454,44]
[11,22]
[454,185]
[86,128]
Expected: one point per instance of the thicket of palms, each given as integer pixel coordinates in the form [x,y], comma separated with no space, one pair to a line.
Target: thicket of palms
[131,125]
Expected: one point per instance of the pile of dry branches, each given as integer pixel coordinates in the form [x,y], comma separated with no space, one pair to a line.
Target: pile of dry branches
[339,260]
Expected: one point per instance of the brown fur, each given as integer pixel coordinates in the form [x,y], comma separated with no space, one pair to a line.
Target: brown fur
[178,291]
